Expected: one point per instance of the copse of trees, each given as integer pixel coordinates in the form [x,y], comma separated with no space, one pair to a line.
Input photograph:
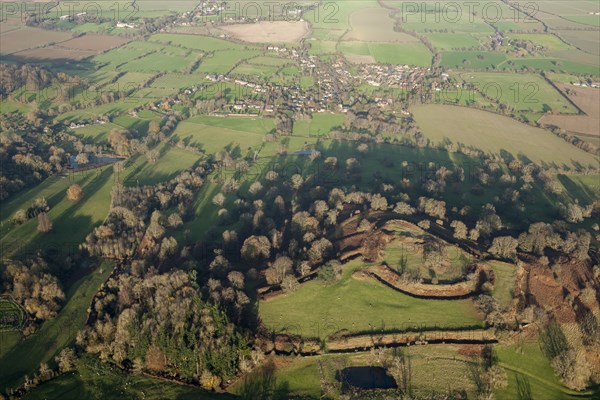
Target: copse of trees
[134,207]
[573,369]
[256,248]
[160,323]
[27,160]
[34,287]
[542,236]
[505,247]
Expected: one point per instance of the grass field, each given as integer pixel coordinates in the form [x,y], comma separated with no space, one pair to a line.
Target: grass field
[592,20]
[269,152]
[8,340]
[497,134]
[513,25]
[550,64]
[10,106]
[197,42]
[352,305]
[505,281]
[91,27]
[222,61]
[121,55]
[320,124]
[152,94]
[306,82]
[585,187]
[375,25]
[434,368]
[131,80]
[535,367]
[471,59]
[243,124]
[136,124]
[440,367]
[177,81]
[172,161]
[26,356]
[301,376]
[522,92]
[117,107]
[253,70]
[72,221]
[96,380]
[548,41]
[229,90]
[457,41]
[332,21]
[268,60]
[585,40]
[97,133]
[212,139]
[389,53]
[448,21]
[321,47]
[200,227]
[164,60]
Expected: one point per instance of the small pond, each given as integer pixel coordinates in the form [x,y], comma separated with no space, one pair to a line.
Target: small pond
[366,377]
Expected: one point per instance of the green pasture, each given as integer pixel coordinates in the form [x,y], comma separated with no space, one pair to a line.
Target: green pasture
[223,61]
[522,92]
[196,42]
[456,41]
[471,59]
[25,357]
[71,221]
[497,134]
[94,379]
[316,309]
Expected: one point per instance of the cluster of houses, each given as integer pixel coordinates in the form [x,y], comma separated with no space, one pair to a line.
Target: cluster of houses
[70,17]
[594,85]
[126,25]
[400,76]
[330,79]
[75,125]
[208,8]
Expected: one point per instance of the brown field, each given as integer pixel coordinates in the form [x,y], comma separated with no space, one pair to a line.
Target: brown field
[74,49]
[585,40]
[29,38]
[375,25]
[191,30]
[269,32]
[94,42]
[10,25]
[497,134]
[587,99]
[53,53]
